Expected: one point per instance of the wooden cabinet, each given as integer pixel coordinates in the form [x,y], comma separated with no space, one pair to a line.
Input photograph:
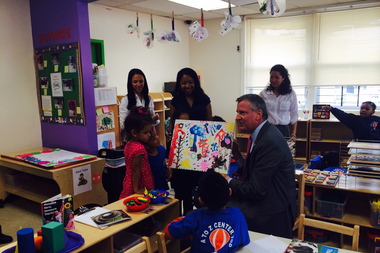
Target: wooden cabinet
[107,117]
[301,142]
[328,135]
[364,159]
[161,101]
[113,112]
[167,102]
[101,240]
[38,184]
[356,210]
[314,137]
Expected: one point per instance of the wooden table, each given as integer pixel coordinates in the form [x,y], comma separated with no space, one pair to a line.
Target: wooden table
[254,236]
[38,184]
[101,240]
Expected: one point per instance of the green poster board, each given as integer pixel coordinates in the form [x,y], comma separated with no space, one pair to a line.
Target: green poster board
[59,84]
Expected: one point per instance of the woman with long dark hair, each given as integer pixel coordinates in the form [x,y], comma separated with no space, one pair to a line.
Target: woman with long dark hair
[137,95]
[281,101]
[190,99]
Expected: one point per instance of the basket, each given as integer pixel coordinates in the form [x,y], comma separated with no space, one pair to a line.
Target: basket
[374,212]
[373,243]
[136,204]
[157,196]
[331,205]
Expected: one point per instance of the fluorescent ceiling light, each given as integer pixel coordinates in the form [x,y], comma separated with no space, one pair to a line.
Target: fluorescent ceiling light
[206,5]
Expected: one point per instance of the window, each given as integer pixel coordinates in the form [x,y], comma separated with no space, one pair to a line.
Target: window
[347,96]
[335,55]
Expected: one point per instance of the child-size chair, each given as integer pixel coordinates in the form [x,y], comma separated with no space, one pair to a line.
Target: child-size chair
[161,243]
[341,229]
[143,246]
[300,179]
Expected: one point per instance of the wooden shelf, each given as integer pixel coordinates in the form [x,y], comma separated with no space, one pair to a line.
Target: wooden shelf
[364,159]
[161,102]
[357,208]
[101,240]
[44,183]
[36,189]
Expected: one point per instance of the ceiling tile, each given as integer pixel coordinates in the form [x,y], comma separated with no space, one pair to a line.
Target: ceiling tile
[244,7]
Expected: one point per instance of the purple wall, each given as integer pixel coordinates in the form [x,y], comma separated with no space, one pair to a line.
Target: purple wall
[54,15]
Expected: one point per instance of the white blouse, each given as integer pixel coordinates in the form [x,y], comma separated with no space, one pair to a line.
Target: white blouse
[124,112]
[283,109]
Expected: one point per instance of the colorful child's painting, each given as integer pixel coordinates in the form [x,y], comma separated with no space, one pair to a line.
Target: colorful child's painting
[201,145]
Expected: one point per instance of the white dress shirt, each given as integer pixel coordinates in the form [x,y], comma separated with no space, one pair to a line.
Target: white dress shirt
[124,112]
[283,109]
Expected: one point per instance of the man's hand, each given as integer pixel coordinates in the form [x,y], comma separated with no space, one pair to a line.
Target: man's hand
[226,177]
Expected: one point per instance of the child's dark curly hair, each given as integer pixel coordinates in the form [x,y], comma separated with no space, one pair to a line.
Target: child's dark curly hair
[213,190]
[137,119]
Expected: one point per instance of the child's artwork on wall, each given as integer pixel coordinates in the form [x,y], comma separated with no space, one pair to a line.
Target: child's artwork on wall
[201,145]
[105,120]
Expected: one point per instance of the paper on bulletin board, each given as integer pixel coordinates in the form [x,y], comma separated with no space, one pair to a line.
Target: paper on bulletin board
[56,84]
[82,179]
[46,103]
[106,140]
[105,121]
[105,96]
[201,145]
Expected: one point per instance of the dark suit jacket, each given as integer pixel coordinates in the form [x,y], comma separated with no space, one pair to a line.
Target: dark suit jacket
[267,195]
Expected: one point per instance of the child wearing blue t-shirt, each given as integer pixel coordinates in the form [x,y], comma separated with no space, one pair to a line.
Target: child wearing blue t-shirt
[157,160]
[214,228]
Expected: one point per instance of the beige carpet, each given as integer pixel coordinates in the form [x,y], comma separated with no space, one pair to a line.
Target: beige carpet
[19,213]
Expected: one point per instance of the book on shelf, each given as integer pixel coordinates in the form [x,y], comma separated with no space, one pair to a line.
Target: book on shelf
[297,245]
[111,217]
[60,209]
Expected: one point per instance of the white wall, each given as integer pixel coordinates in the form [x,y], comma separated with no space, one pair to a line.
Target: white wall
[20,125]
[215,58]
[125,51]
[219,63]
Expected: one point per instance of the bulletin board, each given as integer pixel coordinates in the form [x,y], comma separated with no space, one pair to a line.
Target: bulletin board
[59,84]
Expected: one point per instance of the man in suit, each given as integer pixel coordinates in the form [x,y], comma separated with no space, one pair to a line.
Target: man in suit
[265,192]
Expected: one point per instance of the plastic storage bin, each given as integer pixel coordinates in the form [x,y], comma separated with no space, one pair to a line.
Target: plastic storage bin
[373,243]
[316,235]
[331,204]
[375,212]
[308,201]
[125,240]
[114,172]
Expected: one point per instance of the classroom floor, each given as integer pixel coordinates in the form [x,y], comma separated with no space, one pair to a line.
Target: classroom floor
[19,213]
